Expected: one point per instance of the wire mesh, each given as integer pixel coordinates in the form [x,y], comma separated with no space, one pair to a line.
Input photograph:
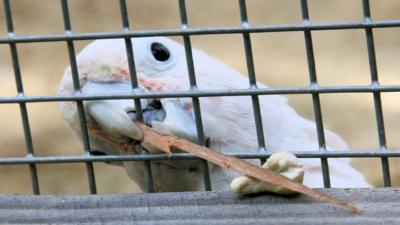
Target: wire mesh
[185,31]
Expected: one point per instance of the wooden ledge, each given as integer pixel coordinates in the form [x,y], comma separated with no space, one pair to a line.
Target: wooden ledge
[379,206]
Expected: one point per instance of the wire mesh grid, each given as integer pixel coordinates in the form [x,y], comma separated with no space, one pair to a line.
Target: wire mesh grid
[185,31]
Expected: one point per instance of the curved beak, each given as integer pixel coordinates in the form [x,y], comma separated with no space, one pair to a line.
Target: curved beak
[115,116]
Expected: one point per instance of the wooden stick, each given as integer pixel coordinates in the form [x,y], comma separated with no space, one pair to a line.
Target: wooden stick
[166,143]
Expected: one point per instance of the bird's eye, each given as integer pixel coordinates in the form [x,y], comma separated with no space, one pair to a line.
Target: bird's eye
[160,52]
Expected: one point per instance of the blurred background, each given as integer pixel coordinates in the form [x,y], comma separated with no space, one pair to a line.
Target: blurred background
[280,60]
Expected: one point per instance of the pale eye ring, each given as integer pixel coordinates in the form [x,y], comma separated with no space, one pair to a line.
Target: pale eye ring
[160,52]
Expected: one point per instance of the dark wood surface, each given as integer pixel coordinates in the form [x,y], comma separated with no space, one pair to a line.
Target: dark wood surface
[379,206]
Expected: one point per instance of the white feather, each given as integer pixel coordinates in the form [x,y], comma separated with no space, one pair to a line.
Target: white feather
[228,121]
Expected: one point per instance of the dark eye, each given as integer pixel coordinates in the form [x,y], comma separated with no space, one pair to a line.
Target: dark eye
[160,52]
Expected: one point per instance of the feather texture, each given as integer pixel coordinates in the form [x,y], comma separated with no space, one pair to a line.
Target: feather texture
[228,121]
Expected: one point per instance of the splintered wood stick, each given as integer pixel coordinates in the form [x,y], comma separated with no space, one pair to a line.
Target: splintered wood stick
[167,143]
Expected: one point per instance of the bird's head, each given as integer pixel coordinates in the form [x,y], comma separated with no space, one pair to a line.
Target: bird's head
[160,66]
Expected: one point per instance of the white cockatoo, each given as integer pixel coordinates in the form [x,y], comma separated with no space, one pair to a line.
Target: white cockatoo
[228,121]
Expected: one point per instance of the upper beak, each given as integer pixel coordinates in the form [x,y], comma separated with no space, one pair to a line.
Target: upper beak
[111,115]
[115,116]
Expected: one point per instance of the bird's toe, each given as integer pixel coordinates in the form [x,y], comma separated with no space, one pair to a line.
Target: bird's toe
[284,163]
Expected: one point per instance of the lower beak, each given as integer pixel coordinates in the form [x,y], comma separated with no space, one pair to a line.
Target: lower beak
[178,121]
[169,117]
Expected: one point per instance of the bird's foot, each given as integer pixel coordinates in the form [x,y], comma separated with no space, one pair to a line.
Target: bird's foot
[283,163]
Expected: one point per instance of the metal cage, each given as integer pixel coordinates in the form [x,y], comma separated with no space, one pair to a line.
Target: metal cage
[185,31]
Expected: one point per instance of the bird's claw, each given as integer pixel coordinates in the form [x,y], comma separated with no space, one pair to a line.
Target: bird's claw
[284,163]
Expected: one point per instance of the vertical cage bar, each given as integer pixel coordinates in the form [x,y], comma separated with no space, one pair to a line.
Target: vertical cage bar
[377,95]
[135,86]
[252,78]
[193,86]
[315,96]
[22,106]
[79,103]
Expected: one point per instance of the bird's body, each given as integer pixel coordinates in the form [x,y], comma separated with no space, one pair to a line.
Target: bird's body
[228,121]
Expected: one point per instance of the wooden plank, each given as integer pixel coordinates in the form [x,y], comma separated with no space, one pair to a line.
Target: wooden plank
[379,206]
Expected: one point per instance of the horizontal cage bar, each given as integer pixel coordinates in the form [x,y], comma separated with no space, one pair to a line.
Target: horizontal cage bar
[12,38]
[209,93]
[187,156]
